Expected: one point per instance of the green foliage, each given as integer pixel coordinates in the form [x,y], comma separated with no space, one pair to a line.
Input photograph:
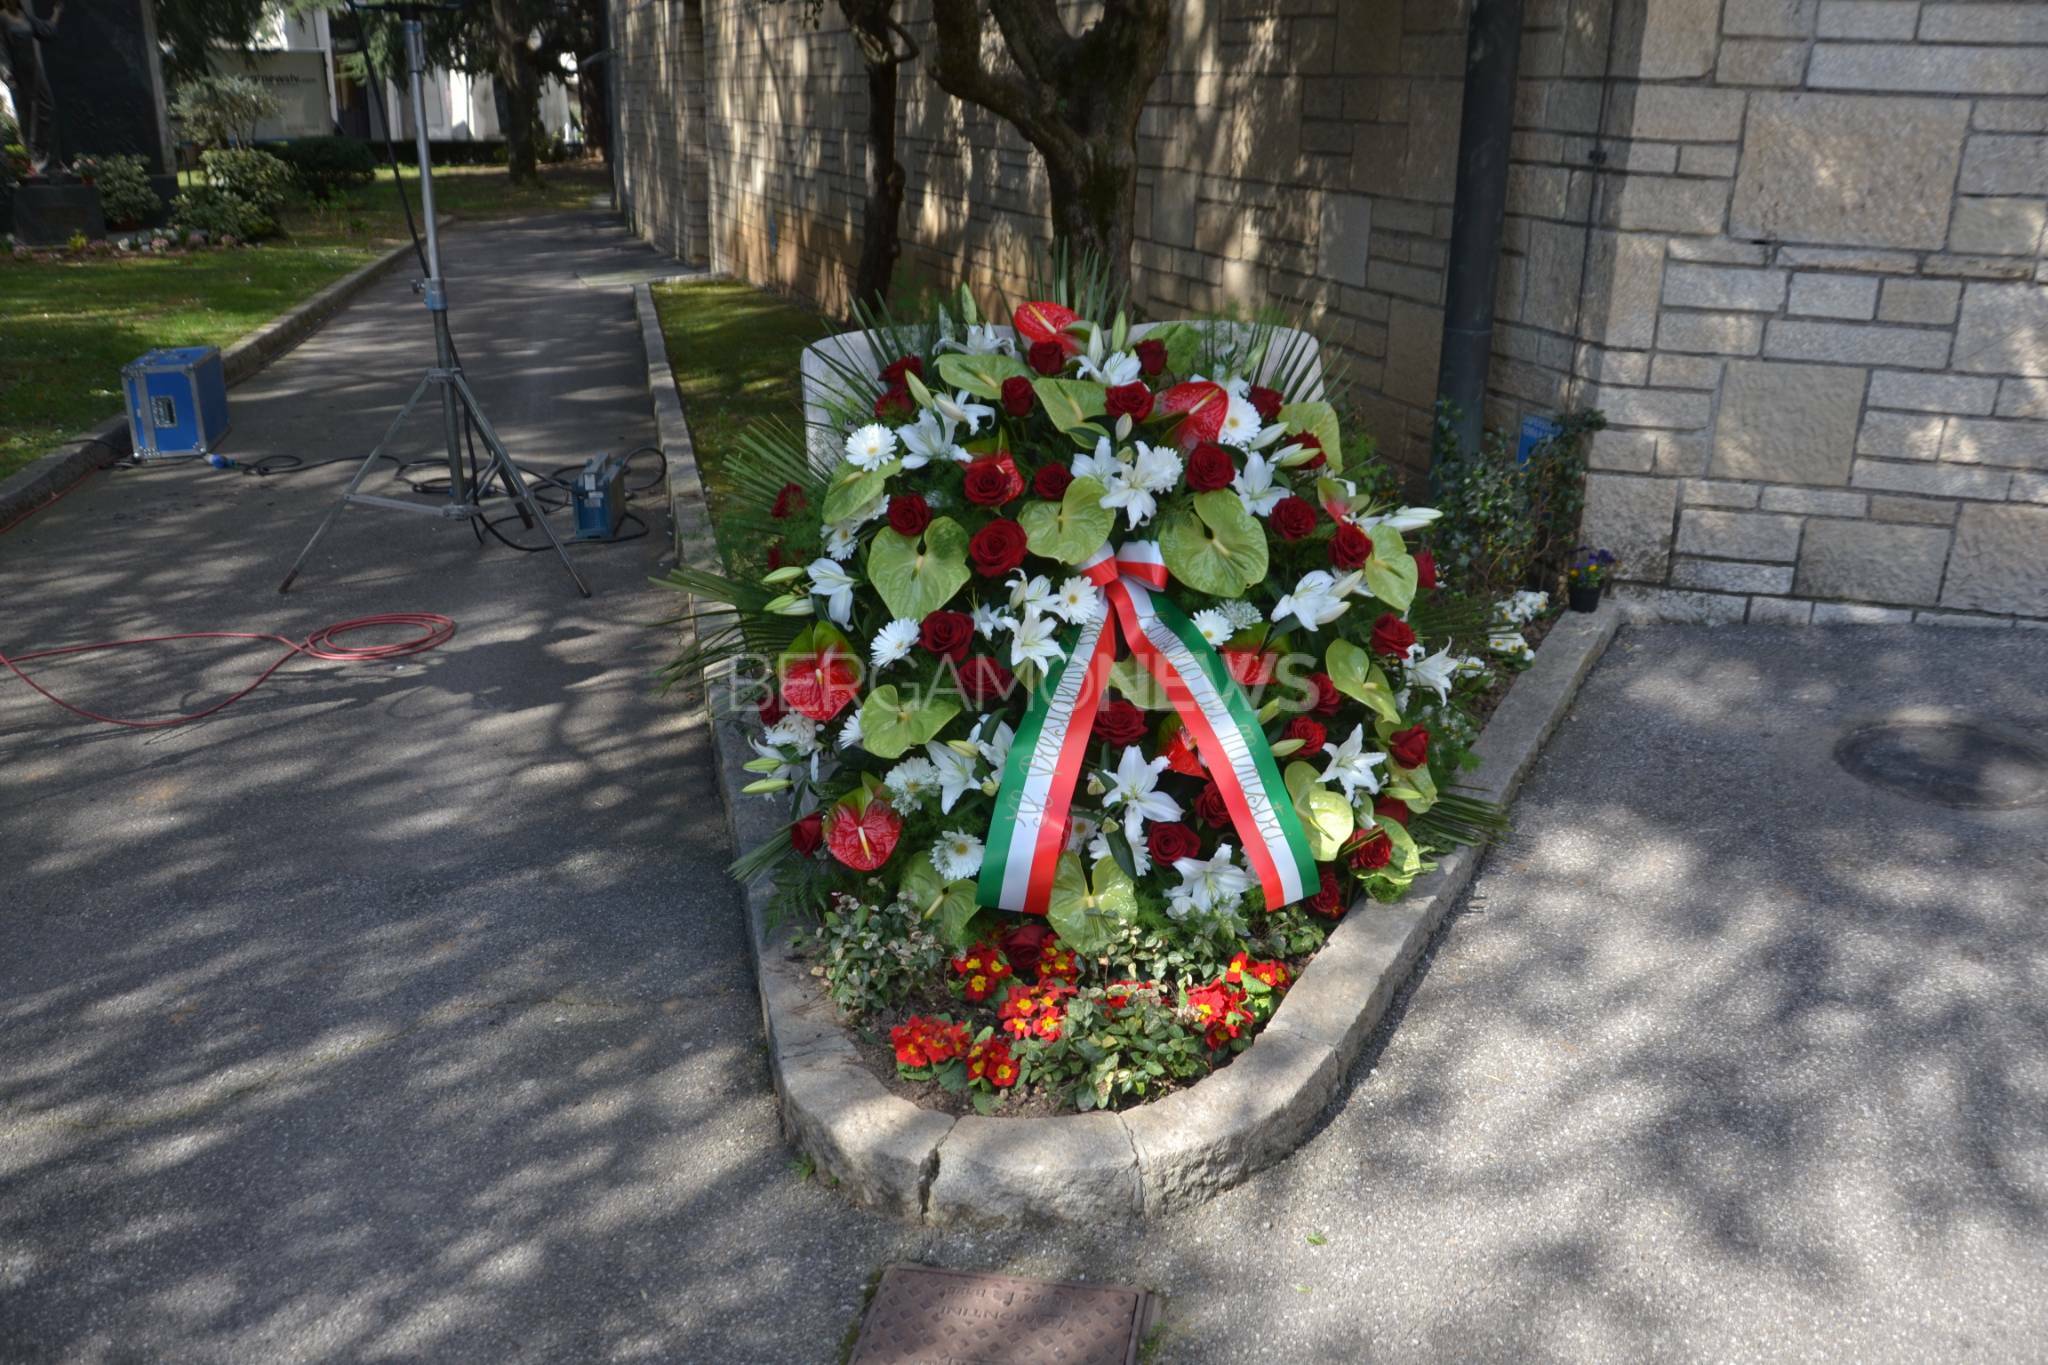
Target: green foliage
[194,31]
[125,193]
[222,111]
[1506,524]
[217,213]
[256,178]
[1105,1056]
[873,956]
[325,166]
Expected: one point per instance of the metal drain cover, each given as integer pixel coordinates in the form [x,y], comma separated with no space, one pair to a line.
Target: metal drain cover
[1951,763]
[925,1316]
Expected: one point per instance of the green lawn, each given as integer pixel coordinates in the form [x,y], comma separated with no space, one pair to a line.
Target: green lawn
[67,327]
[735,353]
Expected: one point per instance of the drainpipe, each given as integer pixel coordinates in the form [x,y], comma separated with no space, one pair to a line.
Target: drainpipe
[1493,48]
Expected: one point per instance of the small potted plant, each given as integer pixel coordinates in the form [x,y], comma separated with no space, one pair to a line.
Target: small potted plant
[1587,576]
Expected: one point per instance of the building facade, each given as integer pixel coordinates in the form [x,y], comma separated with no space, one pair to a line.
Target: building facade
[1792,248]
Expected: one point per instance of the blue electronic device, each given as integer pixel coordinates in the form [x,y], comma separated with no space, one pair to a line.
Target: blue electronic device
[600,497]
[1535,431]
[177,402]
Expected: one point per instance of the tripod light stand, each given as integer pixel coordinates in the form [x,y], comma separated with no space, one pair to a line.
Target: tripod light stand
[457,398]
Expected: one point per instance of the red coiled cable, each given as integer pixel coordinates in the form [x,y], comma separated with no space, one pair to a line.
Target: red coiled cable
[321,644]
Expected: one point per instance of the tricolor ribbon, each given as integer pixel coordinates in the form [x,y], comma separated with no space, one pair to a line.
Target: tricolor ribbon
[1028,831]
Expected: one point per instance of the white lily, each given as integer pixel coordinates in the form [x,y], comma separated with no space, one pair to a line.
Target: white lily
[1351,764]
[1132,498]
[1255,488]
[982,339]
[1098,848]
[956,773]
[1117,368]
[996,748]
[1402,519]
[1033,641]
[1031,595]
[794,731]
[929,438]
[1157,468]
[1100,464]
[1135,787]
[1317,600]
[835,585]
[987,621]
[962,408]
[893,642]
[1212,883]
[1434,671]
[871,446]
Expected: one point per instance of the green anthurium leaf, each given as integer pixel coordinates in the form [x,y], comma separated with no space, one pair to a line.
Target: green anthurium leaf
[917,575]
[1325,815]
[1390,574]
[891,724]
[1357,677]
[1407,860]
[921,883]
[1137,682]
[1085,918]
[1183,345]
[1320,421]
[954,914]
[1414,786]
[1217,548]
[853,488]
[1069,402]
[1071,529]
[981,375]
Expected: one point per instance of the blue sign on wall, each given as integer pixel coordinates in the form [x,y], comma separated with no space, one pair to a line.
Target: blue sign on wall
[1535,431]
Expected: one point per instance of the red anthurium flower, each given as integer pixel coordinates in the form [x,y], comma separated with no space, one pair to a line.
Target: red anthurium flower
[821,682]
[863,831]
[1047,322]
[1250,667]
[1204,405]
[1181,757]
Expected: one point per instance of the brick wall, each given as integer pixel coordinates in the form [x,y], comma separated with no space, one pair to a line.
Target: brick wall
[1793,248]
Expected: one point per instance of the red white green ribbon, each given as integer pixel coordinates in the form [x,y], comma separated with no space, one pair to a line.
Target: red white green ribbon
[1028,831]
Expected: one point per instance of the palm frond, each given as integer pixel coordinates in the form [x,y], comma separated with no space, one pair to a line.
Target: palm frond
[763,859]
[1451,616]
[1460,820]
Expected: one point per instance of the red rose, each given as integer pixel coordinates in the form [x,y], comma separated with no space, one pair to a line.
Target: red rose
[946,633]
[1330,899]
[1046,357]
[1312,735]
[1210,808]
[1120,723]
[1391,636]
[895,402]
[893,373]
[1018,396]
[771,709]
[1409,747]
[1328,698]
[996,548]
[909,514]
[1051,482]
[1292,518]
[1022,945]
[1391,808]
[993,480]
[1210,468]
[983,680]
[789,500]
[1372,852]
[775,556]
[1425,569]
[1134,399]
[1308,440]
[1350,547]
[1267,401]
[807,835]
[1151,356]
[1168,842]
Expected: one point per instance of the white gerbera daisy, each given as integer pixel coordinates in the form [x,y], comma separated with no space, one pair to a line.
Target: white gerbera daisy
[871,447]
[842,538]
[1214,625]
[893,642]
[1077,602]
[1081,831]
[957,855]
[1141,857]
[849,733]
[913,780]
[1241,425]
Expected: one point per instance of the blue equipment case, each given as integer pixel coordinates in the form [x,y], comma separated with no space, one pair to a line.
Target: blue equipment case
[600,497]
[177,402]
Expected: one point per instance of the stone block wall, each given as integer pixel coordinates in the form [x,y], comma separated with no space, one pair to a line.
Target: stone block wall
[1792,248]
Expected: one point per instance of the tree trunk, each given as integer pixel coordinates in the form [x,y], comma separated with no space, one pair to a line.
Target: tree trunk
[515,77]
[594,106]
[1095,201]
[881,241]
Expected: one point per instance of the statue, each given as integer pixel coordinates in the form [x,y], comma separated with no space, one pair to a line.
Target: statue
[22,35]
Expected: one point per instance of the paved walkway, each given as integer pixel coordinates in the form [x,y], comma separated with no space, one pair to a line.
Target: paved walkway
[403,1013]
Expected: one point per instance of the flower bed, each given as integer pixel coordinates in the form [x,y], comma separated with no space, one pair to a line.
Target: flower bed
[1102,678]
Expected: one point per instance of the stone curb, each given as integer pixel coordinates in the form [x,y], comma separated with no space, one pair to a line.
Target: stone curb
[886,1152]
[109,443]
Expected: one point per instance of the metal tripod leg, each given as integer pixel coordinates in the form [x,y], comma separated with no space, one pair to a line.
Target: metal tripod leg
[362,473]
[502,462]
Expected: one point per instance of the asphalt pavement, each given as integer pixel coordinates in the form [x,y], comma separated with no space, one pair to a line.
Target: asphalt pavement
[402,1012]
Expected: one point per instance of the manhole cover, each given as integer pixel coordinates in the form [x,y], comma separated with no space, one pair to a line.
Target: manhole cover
[923,1316]
[1951,763]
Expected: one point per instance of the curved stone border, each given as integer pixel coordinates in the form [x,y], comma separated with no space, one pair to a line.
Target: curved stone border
[886,1152]
[108,443]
